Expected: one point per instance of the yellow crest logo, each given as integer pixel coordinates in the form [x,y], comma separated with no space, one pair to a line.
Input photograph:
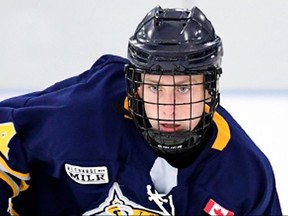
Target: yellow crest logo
[7,131]
[117,204]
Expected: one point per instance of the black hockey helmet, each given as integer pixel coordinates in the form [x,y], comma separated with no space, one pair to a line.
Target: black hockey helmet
[174,42]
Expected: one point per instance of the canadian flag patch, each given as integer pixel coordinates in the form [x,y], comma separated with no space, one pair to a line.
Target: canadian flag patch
[213,208]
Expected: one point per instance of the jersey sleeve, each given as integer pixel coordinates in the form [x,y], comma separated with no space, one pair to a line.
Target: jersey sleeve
[267,199]
[27,121]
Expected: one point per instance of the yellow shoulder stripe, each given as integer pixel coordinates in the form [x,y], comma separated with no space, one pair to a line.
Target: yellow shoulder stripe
[126,106]
[223,134]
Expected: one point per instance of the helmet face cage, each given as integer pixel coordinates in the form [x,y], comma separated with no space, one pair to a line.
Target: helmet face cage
[174,66]
[174,132]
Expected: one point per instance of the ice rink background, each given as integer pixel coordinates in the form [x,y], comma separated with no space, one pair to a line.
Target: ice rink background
[42,42]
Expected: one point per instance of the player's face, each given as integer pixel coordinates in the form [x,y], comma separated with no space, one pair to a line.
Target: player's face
[173,103]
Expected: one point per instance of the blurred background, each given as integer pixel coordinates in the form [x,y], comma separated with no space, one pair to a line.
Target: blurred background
[42,42]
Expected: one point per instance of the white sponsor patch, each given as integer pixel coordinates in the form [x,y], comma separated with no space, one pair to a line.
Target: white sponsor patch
[87,175]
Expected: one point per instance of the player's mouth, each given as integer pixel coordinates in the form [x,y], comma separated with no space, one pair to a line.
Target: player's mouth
[168,127]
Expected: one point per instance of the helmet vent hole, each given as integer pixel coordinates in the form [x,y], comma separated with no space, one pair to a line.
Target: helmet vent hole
[158,67]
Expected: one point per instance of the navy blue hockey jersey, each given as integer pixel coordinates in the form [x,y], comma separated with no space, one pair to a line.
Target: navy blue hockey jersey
[67,151]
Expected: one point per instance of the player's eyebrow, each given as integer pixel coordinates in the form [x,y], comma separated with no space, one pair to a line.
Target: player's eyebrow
[187,80]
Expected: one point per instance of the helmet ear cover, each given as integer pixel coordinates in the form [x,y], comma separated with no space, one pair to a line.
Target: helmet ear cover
[212,86]
[211,79]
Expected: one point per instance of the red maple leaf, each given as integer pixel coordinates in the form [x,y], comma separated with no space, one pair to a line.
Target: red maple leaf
[218,212]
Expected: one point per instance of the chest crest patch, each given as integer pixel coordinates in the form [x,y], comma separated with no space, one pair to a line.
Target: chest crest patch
[117,204]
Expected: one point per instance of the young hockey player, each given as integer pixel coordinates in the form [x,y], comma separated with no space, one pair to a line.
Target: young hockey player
[143,136]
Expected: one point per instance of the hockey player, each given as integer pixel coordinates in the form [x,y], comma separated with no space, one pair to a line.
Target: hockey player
[151,141]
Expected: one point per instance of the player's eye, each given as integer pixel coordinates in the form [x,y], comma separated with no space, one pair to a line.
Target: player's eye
[154,88]
[183,89]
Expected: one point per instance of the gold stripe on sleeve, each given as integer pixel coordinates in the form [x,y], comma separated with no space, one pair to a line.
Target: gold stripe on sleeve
[10,182]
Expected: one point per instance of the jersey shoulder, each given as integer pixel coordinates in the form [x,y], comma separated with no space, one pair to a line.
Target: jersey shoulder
[240,170]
